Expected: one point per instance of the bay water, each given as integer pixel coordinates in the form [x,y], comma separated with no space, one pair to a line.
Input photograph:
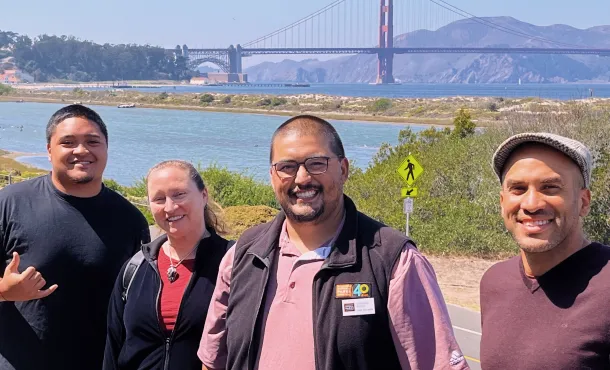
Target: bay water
[140,138]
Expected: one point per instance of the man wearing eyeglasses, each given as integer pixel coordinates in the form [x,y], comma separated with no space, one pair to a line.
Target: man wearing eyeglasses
[323,286]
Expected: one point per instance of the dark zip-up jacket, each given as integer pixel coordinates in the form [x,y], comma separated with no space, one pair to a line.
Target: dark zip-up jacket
[364,253]
[136,339]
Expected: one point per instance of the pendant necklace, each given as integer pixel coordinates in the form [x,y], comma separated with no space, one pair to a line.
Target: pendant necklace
[172,272]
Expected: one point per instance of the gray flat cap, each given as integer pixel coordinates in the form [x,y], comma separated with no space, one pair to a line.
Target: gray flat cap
[576,150]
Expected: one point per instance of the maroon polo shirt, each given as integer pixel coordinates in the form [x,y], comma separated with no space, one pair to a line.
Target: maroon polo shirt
[560,320]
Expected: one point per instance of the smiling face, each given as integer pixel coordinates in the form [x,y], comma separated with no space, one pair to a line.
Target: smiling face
[306,197]
[175,201]
[78,152]
[542,199]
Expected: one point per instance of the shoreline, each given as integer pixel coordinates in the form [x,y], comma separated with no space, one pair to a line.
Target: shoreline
[11,154]
[9,161]
[485,111]
[403,121]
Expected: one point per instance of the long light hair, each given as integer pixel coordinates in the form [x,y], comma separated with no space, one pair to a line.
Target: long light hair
[211,209]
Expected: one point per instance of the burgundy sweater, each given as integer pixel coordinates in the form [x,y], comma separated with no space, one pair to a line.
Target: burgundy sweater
[560,320]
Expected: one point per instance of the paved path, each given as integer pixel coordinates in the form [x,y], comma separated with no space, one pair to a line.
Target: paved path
[467,329]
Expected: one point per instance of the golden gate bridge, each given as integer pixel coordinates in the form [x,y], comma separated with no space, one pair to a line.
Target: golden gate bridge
[344,27]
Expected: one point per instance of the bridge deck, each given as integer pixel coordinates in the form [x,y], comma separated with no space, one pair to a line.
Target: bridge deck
[429,50]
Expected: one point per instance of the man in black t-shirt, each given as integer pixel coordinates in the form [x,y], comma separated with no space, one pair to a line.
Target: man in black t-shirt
[64,237]
[547,308]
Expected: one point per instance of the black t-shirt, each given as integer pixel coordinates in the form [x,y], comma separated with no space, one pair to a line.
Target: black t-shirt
[79,244]
[558,321]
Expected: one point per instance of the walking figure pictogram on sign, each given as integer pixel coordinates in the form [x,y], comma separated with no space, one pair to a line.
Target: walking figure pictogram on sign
[409,169]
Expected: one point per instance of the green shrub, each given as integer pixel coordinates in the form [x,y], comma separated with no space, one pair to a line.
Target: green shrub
[138,190]
[113,185]
[6,90]
[275,101]
[235,189]
[206,98]
[381,105]
[147,214]
[264,102]
[457,210]
[227,99]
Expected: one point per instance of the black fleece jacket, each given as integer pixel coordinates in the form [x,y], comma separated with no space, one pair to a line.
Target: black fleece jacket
[135,339]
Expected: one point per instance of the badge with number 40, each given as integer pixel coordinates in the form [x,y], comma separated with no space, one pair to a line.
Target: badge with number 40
[360,290]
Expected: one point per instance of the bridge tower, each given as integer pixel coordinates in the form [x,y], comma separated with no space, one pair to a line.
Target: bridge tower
[386,41]
[235,55]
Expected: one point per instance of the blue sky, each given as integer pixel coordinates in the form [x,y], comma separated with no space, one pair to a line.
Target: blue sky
[209,24]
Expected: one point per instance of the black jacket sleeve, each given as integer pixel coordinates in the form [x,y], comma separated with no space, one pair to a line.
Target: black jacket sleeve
[115,334]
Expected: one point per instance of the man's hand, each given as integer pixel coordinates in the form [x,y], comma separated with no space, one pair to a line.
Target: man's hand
[25,286]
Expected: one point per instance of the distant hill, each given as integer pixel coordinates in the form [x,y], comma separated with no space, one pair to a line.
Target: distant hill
[462,68]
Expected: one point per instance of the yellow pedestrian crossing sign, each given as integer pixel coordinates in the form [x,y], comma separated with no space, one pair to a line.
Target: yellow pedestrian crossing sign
[408,192]
[410,170]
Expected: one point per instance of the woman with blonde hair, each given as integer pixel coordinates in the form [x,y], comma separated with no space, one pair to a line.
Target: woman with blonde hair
[161,297]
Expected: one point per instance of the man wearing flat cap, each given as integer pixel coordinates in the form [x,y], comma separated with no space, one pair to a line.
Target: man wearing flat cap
[547,308]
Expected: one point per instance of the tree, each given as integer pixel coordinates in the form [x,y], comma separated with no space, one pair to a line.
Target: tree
[50,57]
[463,124]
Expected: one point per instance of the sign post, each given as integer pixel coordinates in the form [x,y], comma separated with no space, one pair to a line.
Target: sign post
[408,209]
[409,170]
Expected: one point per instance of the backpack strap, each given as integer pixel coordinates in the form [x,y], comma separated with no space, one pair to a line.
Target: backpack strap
[134,264]
[130,271]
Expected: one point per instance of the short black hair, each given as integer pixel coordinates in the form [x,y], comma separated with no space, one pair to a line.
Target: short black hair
[308,124]
[78,111]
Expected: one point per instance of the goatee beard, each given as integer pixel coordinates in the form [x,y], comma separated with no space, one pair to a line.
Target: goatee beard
[82,180]
[302,218]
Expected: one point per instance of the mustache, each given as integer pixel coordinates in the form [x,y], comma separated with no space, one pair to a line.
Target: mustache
[305,188]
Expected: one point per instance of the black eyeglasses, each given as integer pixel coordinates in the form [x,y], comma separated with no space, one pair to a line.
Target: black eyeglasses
[313,165]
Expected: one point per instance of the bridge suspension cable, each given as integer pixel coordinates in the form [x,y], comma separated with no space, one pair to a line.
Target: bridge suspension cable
[295,24]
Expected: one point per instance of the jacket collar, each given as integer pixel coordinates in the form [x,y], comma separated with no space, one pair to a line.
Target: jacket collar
[151,250]
[343,254]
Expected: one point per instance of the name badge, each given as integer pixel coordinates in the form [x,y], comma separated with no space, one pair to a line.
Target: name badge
[358,307]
